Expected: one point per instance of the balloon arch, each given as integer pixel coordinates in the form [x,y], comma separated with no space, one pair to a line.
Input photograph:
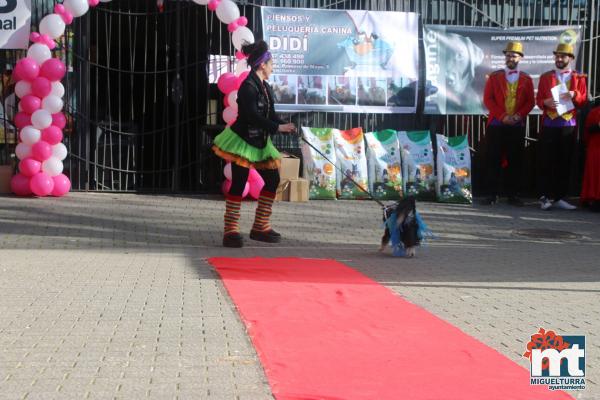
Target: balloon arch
[40,119]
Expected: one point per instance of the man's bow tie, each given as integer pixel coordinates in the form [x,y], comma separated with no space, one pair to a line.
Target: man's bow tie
[513,72]
[565,72]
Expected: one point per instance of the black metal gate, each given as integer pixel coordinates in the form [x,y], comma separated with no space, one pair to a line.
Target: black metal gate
[140,98]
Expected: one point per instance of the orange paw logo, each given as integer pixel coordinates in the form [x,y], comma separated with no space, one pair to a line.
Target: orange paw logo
[546,340]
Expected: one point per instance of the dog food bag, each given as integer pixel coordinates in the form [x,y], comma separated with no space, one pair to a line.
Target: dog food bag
[351,158]
[319,171]
[453,170]
[417,164]
[384,164]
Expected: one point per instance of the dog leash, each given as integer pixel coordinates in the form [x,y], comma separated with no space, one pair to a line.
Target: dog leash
[343,173]
[423,230]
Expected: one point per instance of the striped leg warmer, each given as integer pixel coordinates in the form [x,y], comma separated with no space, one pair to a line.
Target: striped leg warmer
[263,211]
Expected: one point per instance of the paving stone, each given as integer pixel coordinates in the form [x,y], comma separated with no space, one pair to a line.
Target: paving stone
[110,296]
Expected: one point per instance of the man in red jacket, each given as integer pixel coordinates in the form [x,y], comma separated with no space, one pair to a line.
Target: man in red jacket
[557,137]
[508,96]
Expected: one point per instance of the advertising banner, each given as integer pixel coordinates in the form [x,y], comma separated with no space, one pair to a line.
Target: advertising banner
[343,60]
[459,58]
[15,21]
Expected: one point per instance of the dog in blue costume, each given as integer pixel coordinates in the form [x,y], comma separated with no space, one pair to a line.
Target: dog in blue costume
[404,227]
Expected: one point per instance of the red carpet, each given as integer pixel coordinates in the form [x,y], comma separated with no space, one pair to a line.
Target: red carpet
[324,331]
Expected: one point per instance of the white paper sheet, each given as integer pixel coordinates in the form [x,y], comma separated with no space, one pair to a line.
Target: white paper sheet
[563,106]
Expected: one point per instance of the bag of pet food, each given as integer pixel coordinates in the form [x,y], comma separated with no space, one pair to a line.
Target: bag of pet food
[453,170]
[319,172]
[384,164]
[351,158]
[417,164]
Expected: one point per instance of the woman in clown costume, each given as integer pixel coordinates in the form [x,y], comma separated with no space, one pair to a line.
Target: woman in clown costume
[247,144]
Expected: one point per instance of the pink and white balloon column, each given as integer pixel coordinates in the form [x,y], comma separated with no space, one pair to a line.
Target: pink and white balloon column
[40,119]
[228,13]
[38,85]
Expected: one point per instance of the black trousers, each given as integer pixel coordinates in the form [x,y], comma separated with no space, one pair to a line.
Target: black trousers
[509,141]
[239,177]
[555,153]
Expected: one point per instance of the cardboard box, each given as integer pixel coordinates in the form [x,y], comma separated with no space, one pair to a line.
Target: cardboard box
[292,190]
[298,190]
[6,173]
[283,191]
[290,167]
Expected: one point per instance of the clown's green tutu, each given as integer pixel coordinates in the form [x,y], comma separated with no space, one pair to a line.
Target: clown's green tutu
[229,146]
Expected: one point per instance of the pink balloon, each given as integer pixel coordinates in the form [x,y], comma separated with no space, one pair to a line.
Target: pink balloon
[212,5]
[227,171]
[41,87]
[241,79]
[19,184]
[229,115]
[227,82]
[226,101]
[59,120]
[22,119]
[62,185]
[232,27]
[52,134]
[15,75]
[254,176]
[30,166]
[256,187]
[41,184]
[27,68]
[227,185]
[53,69]
[41,150]
[30,103]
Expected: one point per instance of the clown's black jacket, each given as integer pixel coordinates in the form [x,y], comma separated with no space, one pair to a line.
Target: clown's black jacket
[256,114]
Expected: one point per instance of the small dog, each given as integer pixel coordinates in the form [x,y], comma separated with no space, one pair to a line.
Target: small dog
[405,226]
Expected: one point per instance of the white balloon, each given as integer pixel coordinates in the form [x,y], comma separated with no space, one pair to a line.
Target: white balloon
[58,89]
[201,2]
[59,151]
[241,66]
[39,52]
[52,103]
[23,151]
[30,135]
[52,166]
[227,11]
[232,99]
[22,89]
[41,119]
[242,36]
[77,7]
[52,25]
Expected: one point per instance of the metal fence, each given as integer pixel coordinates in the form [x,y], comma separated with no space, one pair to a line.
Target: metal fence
[144,113]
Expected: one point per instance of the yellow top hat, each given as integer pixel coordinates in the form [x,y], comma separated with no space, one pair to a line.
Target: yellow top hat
[514,47]
[564,48]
